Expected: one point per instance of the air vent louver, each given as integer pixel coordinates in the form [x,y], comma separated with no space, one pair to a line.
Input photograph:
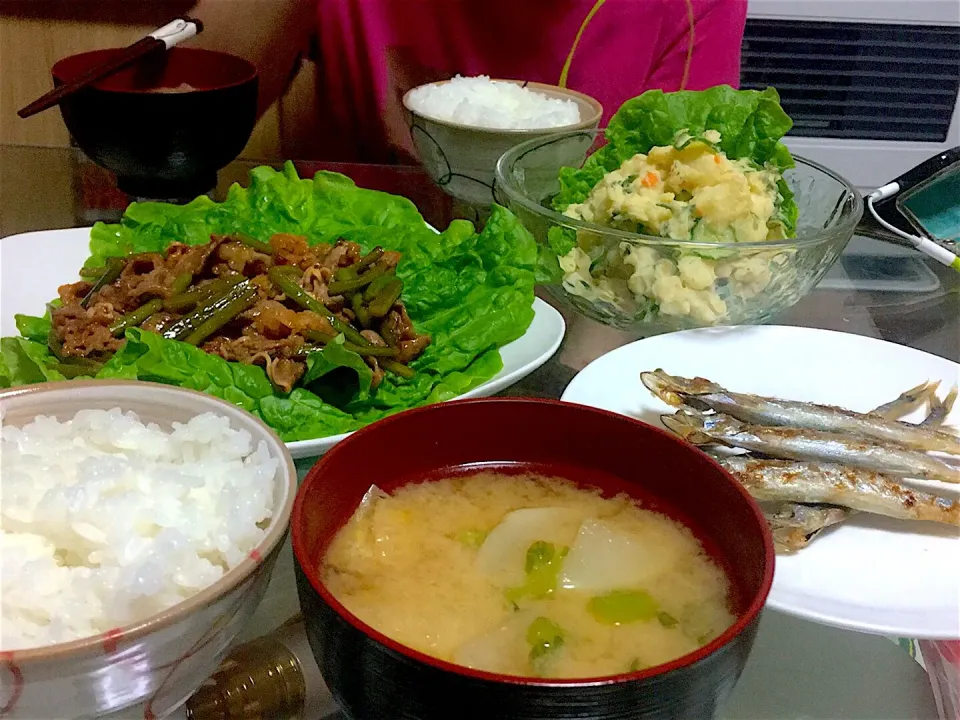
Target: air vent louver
[861,81]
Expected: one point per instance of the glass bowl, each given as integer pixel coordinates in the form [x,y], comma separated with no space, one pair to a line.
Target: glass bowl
[650,285]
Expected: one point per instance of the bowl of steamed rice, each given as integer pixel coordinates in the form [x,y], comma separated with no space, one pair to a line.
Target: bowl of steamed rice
[489,571]
[139,526]
[462,126]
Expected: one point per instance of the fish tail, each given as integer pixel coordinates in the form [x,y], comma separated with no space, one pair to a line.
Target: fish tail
[940,409]
[907,401]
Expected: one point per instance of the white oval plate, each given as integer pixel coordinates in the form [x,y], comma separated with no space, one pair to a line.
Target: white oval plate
[871,574]
[33,265]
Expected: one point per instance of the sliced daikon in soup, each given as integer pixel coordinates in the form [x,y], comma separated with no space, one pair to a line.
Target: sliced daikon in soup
[358,531]
[501,650]
[525,644]
[604,558]
[503,555]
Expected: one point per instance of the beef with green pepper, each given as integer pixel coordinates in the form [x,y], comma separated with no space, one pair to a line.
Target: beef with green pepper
[267,302]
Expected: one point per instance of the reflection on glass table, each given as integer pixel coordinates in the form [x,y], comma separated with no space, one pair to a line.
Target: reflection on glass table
[870,265]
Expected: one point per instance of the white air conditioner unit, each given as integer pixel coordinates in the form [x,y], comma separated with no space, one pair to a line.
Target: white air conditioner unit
[873,86]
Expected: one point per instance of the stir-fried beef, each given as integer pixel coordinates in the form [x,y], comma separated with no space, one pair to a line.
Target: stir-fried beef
[247,301]
[83,332]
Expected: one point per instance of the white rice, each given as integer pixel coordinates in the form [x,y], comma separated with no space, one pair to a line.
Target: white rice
[105,521]
[482,102]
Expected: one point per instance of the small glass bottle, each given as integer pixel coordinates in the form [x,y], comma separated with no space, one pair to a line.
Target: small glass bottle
[271,678]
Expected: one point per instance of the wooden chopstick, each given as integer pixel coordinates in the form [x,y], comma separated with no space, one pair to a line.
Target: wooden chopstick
[159,40]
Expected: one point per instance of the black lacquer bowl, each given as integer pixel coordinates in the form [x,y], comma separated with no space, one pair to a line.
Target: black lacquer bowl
[166,125]
[376,678]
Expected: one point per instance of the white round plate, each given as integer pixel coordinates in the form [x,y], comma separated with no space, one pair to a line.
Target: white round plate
[871,573]
[33,265]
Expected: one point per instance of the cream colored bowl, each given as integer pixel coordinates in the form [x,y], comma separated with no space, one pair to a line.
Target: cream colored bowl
[462,159]
[161,661]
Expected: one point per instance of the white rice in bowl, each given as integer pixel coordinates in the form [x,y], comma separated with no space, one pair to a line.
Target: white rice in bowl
[482,102]
[106,521]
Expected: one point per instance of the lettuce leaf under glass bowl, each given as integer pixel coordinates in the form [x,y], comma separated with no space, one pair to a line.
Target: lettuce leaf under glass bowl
[471,292]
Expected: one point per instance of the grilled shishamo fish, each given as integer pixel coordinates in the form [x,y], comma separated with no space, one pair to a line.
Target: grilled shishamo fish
[702,395]
[795,525]
[863,490]
[837,463]
[809,445]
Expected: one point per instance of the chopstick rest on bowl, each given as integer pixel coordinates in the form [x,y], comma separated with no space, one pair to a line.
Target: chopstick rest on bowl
[161,39]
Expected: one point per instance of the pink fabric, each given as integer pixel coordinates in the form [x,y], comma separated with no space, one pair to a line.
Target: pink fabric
[372,51]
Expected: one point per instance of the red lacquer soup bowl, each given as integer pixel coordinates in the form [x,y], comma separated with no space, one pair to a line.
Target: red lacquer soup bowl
[166,125]
[374,677]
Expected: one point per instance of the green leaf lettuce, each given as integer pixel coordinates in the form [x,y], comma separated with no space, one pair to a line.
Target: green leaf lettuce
[471,292]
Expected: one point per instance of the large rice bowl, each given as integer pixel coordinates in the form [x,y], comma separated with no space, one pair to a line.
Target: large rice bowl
[106,521]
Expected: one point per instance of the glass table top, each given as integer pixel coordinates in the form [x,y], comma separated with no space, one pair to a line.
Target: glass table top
[797,669]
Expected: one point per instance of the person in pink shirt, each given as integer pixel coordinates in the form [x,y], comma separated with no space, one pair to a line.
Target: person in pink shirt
[370,52]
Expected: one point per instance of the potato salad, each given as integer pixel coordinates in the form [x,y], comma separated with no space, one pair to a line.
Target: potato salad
[689,190]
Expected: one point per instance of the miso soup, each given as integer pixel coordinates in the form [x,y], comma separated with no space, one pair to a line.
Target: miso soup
[527,575]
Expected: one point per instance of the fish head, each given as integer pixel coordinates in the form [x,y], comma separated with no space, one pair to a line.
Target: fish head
[811,516]
[688,425]
[796,525]
[673,389]
[716,423]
